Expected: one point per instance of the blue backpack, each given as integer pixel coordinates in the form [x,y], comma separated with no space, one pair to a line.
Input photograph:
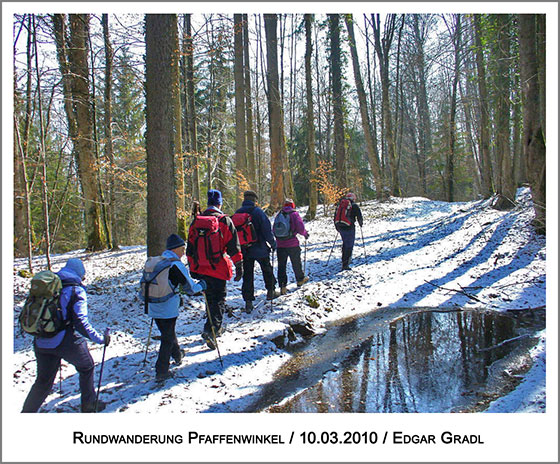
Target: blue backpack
[281,228]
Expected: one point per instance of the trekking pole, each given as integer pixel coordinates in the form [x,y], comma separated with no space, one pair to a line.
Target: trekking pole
[332,247]
[60,377]
[101,372]
[272,299]
[305,257]
[363,243]
[212,326]
[148,342]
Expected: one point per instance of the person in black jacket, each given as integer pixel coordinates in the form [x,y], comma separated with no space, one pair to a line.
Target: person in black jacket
[258,251]
[346,227]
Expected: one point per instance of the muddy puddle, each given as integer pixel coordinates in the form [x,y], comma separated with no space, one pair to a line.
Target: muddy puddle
[403,360]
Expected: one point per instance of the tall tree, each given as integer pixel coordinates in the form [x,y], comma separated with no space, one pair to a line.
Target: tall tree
[383,48]
[534,145]
[338,111]
[450,154]
[484,133]
[161,54]
[108,118]
[191,110]
[274,113]
[23,232]
[251,165]
[505,185]
[310,120]
[73,63]
[240,132]
[373,156]
[425,126]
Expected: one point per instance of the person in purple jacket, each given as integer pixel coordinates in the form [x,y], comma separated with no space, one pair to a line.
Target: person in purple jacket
[67,344]
[289,248]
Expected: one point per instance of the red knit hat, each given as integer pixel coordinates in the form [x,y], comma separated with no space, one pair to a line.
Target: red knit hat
[290,202]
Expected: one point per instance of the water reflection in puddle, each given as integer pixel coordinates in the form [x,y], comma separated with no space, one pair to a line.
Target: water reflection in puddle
[422,362]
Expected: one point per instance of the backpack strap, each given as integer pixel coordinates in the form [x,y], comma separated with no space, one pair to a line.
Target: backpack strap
[71,302]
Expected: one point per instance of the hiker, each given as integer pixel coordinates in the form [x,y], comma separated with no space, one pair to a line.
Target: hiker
[165,313]
[346,215]
[212,248]
[258,252]
[67,344]
[288,244]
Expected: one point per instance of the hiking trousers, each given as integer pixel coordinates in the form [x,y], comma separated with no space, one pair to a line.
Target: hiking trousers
[248,287]
[216,297]
[74,350]
[294,253]
[348,239]
[169,346]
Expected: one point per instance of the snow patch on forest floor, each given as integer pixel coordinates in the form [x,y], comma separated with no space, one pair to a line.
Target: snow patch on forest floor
[413,253]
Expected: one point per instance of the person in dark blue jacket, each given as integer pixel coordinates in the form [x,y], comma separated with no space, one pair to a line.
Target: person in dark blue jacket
[258,251]
[68,344]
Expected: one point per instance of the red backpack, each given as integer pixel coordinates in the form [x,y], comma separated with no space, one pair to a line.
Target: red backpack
[245,229]
[205,237]
[342,215]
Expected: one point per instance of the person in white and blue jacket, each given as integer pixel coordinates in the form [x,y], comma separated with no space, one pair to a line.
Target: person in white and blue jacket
[69,344]
[165,313]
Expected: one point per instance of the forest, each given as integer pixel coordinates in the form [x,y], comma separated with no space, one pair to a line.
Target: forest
[121,121]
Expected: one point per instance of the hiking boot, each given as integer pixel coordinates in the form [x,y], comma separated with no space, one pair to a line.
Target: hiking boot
[91,407]
[209,340]
[248,306]
[283,290]
[179,359]
[272,294]
[346,267]
[163,376]
[302,281]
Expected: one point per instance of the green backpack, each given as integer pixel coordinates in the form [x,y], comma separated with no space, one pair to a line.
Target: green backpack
[41,314]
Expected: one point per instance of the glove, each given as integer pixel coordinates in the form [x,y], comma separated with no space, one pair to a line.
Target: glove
[306,235]
[106,339]
[238,272]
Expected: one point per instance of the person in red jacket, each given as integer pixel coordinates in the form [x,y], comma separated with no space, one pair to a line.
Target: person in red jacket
[211,254]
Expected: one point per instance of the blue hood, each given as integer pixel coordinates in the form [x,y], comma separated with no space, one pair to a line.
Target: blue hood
[69,276]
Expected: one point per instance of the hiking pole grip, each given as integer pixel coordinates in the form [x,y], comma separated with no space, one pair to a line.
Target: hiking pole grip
[101,372]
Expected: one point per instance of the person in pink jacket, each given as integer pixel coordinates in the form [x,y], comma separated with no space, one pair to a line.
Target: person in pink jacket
[289,248]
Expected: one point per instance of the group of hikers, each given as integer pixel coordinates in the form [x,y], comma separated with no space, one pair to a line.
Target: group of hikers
[217,244]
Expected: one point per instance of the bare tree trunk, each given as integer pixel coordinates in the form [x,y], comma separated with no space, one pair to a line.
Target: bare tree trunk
[533,133]
[336,73]
[485,159]
[240,132]
[423,109]
[23,232]
[372,154]
[108,116]
[275,113]
[313,197]
[193,146]
[382,47]
[505,177]
[449,175]
[44,195]
[77,103]
[251,167]
[160,148]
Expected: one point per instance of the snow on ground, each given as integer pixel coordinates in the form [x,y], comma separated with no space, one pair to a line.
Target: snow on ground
[413,253]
